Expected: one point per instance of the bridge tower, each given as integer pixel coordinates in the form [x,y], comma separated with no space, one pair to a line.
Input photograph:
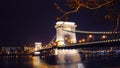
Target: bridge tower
[63,34]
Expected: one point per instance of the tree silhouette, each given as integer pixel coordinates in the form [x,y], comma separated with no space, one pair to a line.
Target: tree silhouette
[75,5]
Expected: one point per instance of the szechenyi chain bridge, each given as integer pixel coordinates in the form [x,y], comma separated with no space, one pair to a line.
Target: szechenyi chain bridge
[66,47]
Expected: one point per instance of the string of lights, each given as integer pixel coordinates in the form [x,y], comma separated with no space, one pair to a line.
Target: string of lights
[91,32]
[105,41]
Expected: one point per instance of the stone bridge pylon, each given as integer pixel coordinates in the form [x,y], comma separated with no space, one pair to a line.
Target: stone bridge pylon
[64,37]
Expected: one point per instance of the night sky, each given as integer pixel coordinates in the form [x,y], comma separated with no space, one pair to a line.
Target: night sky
[28,21]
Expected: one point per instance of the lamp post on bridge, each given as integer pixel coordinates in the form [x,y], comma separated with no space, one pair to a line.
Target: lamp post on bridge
[103,37]
[82,40]
[90,37]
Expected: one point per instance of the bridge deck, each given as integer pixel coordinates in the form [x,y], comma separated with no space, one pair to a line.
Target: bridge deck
[87,45]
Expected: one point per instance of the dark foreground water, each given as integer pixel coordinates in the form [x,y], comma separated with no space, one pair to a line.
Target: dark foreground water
[88,61]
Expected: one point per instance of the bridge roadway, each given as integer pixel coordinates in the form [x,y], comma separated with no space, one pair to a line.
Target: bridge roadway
[106,43]
[99,47]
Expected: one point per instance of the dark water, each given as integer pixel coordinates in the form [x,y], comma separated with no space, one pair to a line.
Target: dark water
[35,62]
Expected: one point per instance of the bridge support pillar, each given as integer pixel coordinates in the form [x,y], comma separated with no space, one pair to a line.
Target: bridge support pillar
[64,34]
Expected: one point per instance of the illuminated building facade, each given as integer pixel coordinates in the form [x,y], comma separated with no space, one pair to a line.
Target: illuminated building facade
[64,34]
[38,46]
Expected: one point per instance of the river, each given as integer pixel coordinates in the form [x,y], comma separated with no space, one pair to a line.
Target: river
[35,62]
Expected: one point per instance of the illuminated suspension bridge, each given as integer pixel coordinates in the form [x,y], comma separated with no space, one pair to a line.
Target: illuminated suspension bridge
[65,42]
[66,32]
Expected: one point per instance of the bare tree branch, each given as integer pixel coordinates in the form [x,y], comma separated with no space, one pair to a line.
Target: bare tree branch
[75,5]
[117,23]
[99,6]
[79,4]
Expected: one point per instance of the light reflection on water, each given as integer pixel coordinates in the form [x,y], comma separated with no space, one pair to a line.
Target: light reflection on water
[35,62]
[71,55]
[80,65]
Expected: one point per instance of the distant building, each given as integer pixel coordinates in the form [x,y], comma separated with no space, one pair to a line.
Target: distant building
[29,49]
[11,50]
[38,46]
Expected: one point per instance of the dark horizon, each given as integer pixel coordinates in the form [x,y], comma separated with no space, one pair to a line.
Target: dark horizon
[25,22]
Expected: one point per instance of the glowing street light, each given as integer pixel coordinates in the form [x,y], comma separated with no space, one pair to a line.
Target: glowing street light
[82,41]
[90,36]
[79,41]
[104,37]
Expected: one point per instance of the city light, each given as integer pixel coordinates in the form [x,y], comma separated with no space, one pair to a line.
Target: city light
[60,43]
[90,36]
[104,37]
[83,40]
[37,53]
[79,41]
